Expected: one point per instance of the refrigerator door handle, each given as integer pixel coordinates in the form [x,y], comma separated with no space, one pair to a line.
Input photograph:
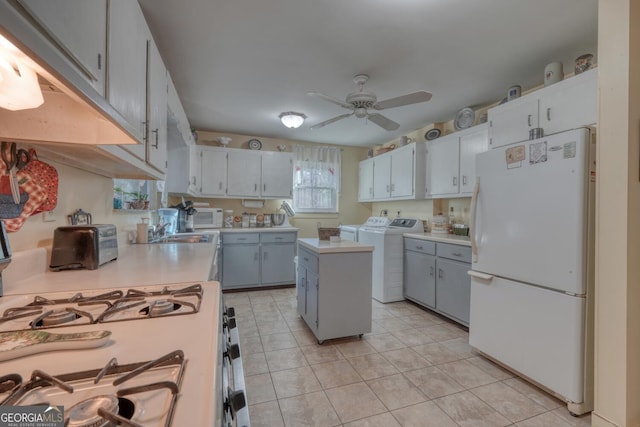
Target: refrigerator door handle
[472,228]
[480,276]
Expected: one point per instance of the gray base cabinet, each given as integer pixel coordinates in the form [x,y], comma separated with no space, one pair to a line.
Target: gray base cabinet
[435,276]
[254,259]
[334,292]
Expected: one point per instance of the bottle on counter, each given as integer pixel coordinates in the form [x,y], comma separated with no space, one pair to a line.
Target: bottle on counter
[228,219]
[452,220]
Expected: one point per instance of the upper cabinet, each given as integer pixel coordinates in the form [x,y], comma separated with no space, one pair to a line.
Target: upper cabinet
[565,105]
[396,175]
[80,32]
[128,37]
[451,162]
[230,173]
[365,181]
[156,109]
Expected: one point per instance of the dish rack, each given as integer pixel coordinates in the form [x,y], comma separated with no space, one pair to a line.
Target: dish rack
[325,233]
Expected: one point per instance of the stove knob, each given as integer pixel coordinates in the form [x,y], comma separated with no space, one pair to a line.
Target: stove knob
[234,351]
[236,401]
[231,312]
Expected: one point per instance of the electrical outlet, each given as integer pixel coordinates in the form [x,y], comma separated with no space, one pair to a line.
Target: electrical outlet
[48,216]
[384,212]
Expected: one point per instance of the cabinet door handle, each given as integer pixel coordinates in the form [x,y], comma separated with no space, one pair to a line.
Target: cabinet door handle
[220,185]
[464,180]
[264,187]
[387,188]
[156,132]
[193,180]
[419,247]
[255,187]
[458,254]
[306,259]
[255,256]
[431,271]
[144,129]
[549,114]
[440,274]
[242,238]
[529,120]
[393,187]
[264,255]
[278,238]
[455,181]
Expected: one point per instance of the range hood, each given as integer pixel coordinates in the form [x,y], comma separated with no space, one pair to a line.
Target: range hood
[73,112]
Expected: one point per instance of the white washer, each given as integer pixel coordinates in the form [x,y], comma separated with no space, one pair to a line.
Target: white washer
[388,256]
[350,232]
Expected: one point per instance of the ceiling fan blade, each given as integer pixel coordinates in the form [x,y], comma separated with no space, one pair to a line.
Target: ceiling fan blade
[330,99]
[399,101]
[328,122]
[383,122]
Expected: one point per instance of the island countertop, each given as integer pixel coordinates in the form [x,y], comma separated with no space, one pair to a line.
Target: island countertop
[325,246]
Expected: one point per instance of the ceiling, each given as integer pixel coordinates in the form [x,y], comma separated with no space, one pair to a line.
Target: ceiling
[238,64]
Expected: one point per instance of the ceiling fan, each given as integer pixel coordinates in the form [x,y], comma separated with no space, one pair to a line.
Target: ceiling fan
[361,101]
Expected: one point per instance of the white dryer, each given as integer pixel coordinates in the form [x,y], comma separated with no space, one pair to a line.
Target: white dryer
[350,232]
[388,256]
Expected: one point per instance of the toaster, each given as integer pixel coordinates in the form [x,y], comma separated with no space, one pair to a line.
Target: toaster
[83,246]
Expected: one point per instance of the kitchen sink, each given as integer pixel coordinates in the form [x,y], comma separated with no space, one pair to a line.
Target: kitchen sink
[185,238]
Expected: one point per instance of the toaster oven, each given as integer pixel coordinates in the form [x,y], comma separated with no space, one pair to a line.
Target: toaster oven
[83,246]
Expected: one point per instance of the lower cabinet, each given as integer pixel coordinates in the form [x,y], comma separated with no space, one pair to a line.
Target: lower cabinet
[435,276]
[253,259]
[334,292]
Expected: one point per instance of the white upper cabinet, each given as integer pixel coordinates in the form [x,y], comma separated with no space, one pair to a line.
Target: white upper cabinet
[451,162]
[365,181]
[397,175]
[565,105]
[127,88]
[277,174]
[443,156]
[243,173]
[80,32]
[472,143]
[156,109]
[382,177]
[570,104]
[402,171]
[213,180]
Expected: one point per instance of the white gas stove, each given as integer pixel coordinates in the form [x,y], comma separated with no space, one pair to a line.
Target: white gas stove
[164,364]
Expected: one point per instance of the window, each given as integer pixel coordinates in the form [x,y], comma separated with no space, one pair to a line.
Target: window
[316,178]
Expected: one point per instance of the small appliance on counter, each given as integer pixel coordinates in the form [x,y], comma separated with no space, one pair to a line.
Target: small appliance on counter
[168,217]
[83,246]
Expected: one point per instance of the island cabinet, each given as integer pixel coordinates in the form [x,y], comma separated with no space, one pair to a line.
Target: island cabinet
[435,276]
[334,288]
[253,258]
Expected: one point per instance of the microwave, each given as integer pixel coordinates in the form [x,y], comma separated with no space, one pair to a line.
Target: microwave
[207,218]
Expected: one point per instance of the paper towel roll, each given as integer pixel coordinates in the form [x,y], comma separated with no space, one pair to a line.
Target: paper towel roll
[143,233]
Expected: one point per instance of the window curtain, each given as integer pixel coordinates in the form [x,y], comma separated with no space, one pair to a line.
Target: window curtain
[316,179]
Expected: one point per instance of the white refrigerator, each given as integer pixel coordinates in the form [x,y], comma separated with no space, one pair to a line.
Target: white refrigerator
[532,270]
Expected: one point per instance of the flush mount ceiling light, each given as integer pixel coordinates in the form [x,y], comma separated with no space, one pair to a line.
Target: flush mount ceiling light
[292,120]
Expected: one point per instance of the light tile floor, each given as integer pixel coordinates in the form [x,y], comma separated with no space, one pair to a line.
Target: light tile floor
[415,369]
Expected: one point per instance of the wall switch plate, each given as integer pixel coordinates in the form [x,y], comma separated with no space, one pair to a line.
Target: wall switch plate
[48,216]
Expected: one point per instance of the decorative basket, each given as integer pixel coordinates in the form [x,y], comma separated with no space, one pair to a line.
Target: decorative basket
[325,233]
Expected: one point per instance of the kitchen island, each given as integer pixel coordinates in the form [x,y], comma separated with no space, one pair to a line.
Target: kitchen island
[334,287]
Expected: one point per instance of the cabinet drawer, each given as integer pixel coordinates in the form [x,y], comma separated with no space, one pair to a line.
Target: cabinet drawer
[308,260]
[418,245]
[239,238]
[457,252]
[278,237]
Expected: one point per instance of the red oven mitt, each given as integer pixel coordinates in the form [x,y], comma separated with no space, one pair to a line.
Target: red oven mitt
[46,176]
[37,196]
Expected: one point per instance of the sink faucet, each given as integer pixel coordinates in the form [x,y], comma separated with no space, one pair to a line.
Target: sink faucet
[159,230]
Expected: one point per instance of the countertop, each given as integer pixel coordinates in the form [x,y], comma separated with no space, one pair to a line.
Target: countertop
[257,230]
[327,247]
[444,238]
[137,265]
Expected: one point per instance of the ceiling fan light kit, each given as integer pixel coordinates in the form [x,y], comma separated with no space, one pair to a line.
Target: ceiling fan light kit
[292,120]
[361,101]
